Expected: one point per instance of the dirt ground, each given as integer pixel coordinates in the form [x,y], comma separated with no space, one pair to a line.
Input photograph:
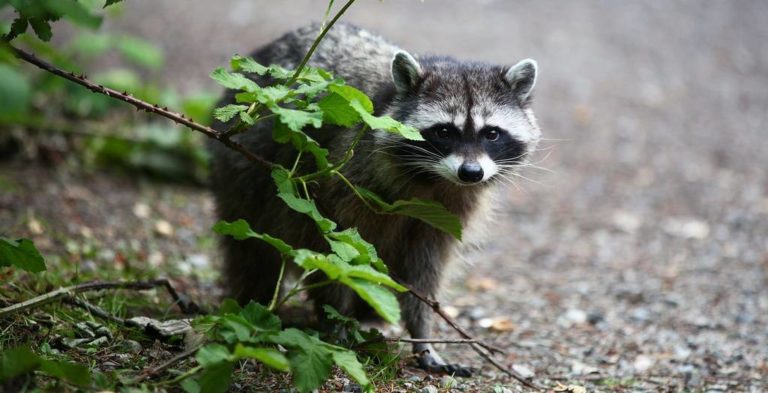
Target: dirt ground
[640,263]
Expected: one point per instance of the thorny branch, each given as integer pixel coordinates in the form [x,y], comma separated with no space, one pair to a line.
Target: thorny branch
[479,346]
[177,117]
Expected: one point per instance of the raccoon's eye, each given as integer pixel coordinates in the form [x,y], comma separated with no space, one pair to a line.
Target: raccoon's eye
[443,132]
[492,134]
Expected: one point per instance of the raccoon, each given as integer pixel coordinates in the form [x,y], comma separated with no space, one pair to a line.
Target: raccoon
[478,128]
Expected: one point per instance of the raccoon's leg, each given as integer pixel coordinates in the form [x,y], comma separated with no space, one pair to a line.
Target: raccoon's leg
[251,270]
[425,277]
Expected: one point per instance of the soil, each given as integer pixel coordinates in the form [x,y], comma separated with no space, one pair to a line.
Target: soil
[639,263]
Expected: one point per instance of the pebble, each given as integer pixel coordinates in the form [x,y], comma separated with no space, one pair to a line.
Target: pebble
[572,317]
[429,389]
[164,228]
[642,363]
[579,368]
[523,370]
[132,346]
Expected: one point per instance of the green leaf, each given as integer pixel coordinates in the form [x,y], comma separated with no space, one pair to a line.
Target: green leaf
[241,230]
[247,119]
[190,385]
[111,2]
[247,64]
[431,212]
[312,260]
[17,361]
[212,354]
[22,254]
[282,179]
[296,119]
[18,27]
[42,28]
[337,108]
[347,361]
[385,123]
[260,316]
[309,208]
[141,52]
[227,112]
[216,378]
[233,81]
[310,360]
[366,252]
[70,372]
[370,274]
[74,11]
[269,356]
[91,44]
[381,299]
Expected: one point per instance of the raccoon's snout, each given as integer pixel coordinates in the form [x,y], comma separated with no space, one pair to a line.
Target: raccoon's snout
[470,172]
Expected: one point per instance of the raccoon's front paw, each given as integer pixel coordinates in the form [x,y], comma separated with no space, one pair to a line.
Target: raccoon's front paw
[434,364]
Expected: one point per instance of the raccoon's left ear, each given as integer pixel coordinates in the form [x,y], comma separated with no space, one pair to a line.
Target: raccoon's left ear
[405,71]
[522,78]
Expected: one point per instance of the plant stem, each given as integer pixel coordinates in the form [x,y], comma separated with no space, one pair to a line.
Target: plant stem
[352,187]
[279,283]
[319,38]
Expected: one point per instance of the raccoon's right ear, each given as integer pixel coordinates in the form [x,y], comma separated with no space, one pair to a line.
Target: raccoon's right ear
[522,78]
[405,71]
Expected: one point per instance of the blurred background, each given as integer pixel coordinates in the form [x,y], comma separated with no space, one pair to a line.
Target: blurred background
[638,260]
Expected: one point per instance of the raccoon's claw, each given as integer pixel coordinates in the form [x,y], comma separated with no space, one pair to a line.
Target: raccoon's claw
[435,365]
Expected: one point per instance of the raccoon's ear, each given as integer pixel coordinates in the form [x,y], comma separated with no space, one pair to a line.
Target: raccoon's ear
[405,71]
[522,78]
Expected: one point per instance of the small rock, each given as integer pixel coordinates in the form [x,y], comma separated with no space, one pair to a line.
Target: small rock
[452,312]
[502,325]
[475,313]
[523,370]
[579,368]
[163,228]
[35,227]
[642,363]
[627,221]
[141,210]
[595,317]
[572,317]
[429,389]
[132,346]
[414,378]
[689,228]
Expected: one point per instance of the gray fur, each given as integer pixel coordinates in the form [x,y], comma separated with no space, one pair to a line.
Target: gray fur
[441,90]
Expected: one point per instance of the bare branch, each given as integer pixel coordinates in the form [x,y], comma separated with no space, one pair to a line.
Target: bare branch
[64,292]
[177,117]
[479,346]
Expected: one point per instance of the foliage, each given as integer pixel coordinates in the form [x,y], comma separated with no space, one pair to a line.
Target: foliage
[22,254]
[298,102]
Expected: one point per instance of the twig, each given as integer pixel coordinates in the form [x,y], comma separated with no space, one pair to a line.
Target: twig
[153,371]
[436,308]
[479,346]
[179,118]
[435,340]
[97,286]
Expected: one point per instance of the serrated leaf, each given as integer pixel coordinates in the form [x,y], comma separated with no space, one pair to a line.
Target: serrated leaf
[216,378]
[22,254]
[347,361]
[111,2]
[227,112]
[368,273]
[431,212]
[74,11]
[312,260]
[366,251]
[381,299]
[282,179]
[296,119]
[385,123]
[309,358]
[269,356]
[18,27]
[337,107]
[247,119]
[140,52]
[70,372]
[260,317]
[241,230]
[233,80]
[42,28]
[212,354]
[309,208]
[247,64]
[17,361]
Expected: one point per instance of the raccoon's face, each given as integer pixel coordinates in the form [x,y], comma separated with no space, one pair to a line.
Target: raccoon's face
[475,119]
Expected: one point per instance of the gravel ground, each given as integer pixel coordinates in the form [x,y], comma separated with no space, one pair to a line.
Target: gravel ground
[640,263]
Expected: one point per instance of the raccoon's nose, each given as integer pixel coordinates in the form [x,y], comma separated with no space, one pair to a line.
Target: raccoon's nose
[470,172]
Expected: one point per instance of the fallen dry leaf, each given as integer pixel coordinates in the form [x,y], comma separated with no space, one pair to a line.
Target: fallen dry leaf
[569,388]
